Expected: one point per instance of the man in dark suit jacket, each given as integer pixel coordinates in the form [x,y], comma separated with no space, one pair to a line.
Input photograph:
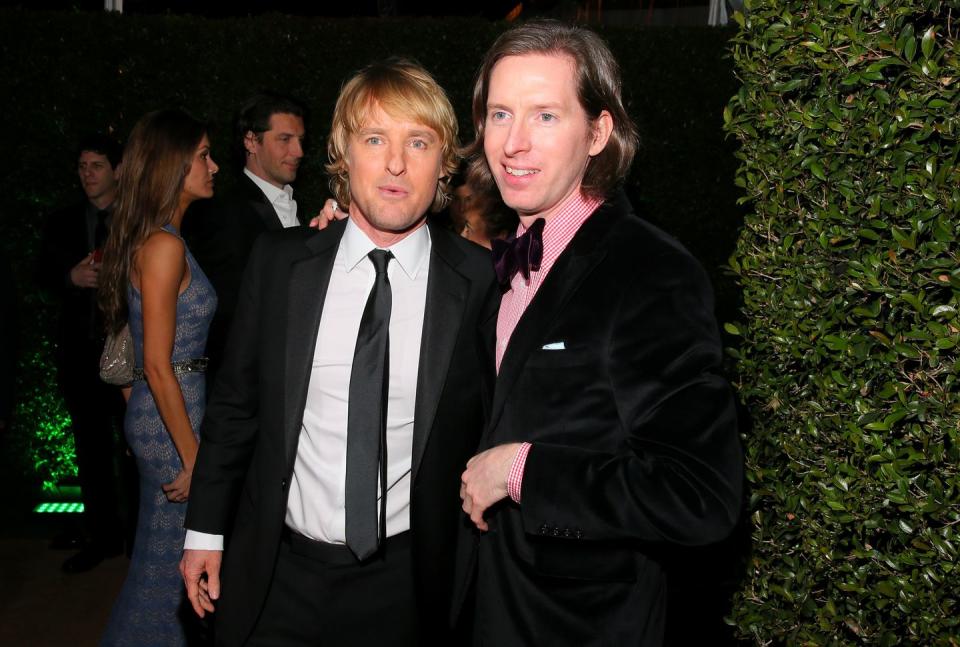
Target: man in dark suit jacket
[68,269]
[280,426]
[269,133]
[612,433]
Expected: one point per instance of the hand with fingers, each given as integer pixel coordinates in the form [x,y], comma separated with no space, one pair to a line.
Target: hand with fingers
[85,273]
[331,211]
[200,570]
[178,490]
[484,482]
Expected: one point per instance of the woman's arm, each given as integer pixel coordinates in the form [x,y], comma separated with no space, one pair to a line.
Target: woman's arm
[162,271]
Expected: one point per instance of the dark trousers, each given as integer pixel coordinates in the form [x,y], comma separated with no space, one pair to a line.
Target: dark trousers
[96,412]
[320,595]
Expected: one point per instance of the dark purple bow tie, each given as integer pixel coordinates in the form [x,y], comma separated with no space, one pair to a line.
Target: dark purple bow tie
[522,254]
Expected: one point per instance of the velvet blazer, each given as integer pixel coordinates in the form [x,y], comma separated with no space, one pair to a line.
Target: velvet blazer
[613,374]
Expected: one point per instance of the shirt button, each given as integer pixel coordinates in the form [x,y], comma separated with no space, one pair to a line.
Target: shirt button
[283,484]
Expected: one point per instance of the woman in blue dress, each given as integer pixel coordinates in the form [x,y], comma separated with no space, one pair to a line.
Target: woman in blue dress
[150,281]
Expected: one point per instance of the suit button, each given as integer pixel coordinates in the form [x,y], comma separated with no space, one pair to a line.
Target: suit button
[283,484]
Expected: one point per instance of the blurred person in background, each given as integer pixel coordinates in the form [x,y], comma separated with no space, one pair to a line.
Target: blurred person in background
[269,138]
[479,215]
[69,270]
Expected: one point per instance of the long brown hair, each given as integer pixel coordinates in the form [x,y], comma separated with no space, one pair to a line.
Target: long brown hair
[156,161]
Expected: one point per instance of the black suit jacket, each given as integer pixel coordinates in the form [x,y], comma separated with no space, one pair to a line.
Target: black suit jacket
[634,443]
[253,420]
[220,234]
[79,334]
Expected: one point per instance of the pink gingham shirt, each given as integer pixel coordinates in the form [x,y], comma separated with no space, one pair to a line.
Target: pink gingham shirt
[558,231]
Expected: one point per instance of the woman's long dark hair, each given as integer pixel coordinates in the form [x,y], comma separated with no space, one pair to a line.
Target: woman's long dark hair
[156,160]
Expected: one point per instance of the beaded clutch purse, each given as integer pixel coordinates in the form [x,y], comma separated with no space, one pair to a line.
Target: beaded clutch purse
[117,360]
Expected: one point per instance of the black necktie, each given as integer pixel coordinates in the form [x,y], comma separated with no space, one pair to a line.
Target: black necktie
[367,418]
[522,254]
[100,231]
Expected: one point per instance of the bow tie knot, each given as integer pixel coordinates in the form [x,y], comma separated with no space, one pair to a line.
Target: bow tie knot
[522,254]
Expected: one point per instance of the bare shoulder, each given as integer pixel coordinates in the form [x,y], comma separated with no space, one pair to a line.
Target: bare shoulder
[162,254]
[162,245]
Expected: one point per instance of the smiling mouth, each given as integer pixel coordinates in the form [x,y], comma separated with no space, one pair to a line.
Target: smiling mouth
[520,172]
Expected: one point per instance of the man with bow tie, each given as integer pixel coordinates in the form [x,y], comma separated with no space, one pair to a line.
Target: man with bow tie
[611,430]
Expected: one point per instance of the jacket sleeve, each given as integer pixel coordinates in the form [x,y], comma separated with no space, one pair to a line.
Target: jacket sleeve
[231,423]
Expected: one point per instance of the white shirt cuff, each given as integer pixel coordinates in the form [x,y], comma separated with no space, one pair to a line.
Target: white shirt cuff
[202,541]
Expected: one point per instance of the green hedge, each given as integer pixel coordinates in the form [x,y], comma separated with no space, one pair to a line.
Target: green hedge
[65,74]
[848,120]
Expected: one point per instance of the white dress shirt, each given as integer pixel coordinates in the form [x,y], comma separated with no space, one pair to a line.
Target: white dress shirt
[315,505]
[280,199]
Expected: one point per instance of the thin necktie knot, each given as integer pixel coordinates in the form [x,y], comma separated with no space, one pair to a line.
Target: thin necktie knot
[380,258]
[523,253]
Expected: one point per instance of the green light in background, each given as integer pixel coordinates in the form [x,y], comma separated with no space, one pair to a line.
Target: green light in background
[59,507]
[41,411]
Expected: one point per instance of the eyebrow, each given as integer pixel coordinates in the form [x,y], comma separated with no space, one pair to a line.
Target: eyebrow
[550,105]
[418,132]
[426,134]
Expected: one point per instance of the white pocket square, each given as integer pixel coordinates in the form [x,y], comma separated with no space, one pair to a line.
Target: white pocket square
[557,345]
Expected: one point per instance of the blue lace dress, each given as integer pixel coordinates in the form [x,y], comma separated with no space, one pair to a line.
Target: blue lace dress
[152,600]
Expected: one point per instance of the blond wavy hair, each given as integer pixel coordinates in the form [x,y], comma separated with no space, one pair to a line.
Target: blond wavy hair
[401,88]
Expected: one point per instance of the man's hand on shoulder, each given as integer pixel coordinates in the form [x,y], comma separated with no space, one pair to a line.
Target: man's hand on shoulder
[202,591]
[331,211]
[484,482]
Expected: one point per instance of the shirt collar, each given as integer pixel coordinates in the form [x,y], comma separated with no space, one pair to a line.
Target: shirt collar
[273,193]
[560,227]
[411,253]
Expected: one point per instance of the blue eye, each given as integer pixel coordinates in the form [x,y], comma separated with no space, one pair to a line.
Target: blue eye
[498,115]
[374,140]
[546,116]
[418,143]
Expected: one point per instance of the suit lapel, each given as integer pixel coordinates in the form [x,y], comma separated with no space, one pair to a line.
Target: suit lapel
[447,293]
[307,289]
[259,203]
[573,265]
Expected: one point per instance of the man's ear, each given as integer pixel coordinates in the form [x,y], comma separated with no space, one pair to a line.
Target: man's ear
[116,171]
[602,128]
[250,142]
